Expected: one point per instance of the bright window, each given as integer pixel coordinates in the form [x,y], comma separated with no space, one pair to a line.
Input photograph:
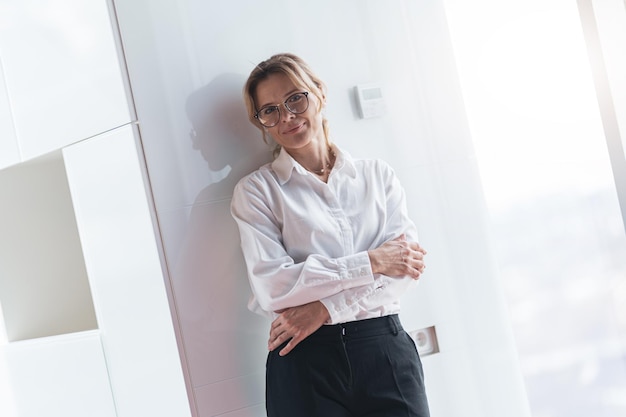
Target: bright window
[547,177]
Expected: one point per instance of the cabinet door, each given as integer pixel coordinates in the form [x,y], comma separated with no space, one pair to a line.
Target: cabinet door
[60,376]
[122,258]
[63,75]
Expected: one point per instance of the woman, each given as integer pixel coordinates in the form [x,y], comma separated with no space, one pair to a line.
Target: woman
[329,250]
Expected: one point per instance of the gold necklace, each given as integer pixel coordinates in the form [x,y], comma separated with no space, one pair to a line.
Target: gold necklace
[322,171]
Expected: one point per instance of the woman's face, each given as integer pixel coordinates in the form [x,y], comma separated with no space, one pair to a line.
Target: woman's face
[294,132]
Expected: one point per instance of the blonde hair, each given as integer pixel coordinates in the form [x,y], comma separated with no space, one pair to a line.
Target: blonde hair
[298,72]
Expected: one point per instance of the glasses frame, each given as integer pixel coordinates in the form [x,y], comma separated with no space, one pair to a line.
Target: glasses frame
[277,106]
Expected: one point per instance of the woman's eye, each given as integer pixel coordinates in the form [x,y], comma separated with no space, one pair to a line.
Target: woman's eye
[295,98]
[269,110]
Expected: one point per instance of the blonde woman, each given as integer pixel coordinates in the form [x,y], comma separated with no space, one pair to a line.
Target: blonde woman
[329,250]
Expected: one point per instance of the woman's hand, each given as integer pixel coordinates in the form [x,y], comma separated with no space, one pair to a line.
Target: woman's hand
[296,323]
[398,258]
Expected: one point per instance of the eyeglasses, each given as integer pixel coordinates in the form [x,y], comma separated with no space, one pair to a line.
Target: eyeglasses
[297,103]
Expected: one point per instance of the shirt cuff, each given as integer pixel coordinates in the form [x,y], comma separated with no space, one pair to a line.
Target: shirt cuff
[356,270]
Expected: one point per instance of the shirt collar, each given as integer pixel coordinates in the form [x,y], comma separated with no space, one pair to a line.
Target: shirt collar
[284,165]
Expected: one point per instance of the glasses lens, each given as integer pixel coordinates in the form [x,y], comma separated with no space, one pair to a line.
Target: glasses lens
[268,116]
[297,103]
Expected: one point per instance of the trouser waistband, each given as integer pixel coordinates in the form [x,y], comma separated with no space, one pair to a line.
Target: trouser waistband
[361,328]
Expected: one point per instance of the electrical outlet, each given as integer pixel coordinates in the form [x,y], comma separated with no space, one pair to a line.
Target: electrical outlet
[425,340]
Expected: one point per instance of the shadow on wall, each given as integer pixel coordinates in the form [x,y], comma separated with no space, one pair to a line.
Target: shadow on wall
[222,338]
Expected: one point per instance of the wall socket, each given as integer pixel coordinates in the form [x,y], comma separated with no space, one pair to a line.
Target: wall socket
[425,340]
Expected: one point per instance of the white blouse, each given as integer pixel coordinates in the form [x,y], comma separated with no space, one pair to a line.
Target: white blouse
[305,240]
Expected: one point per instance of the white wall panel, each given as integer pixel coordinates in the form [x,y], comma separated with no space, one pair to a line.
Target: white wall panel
[233,394]
[61,376]
[9,150]
[211,292]
[62,72]
[114,220]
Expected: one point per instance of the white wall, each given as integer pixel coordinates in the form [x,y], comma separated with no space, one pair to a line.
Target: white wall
[178,51]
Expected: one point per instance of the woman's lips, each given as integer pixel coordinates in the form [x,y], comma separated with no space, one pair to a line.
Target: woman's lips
[293,129]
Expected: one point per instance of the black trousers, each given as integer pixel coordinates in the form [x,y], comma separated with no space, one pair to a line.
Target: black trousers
[367,368]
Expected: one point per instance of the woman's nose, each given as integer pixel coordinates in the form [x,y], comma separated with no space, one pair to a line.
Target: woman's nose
[285,114]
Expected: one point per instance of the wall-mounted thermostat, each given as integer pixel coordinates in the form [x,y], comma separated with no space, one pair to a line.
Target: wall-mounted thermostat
[370,100]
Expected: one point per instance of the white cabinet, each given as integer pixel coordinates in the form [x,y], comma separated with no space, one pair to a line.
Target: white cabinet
[62,73]
[44,289]
[113,215]
[82,290]
[61,376]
